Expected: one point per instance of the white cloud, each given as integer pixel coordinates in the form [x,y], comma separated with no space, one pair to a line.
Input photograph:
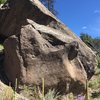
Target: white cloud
[96,29]
[84,27]
[96,11]
[93,28]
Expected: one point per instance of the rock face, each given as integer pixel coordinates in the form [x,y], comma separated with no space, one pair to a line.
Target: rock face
[38,45]
[7,93]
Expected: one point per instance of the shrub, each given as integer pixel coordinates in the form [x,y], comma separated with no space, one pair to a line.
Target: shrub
[2,1]
[98,59]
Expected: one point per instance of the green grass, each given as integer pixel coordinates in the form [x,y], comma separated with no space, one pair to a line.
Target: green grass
[34,92]
[97,71]
[94,85]
[51,95]
[98,59]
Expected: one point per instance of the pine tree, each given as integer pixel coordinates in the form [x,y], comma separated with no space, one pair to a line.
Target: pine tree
[50,5]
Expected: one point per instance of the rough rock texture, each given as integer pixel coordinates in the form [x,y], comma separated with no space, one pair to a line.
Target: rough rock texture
[39,46]
[7,93]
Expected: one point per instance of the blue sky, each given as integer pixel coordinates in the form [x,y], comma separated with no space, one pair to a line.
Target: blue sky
[80,15]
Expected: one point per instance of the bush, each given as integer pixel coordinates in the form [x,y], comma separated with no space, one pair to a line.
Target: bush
[98,59]
[2,1]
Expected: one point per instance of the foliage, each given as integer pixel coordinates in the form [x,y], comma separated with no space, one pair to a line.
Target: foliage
[34,93]
[94,83]
[93,43]
[96,42]
[98,59]
[50,5]
[97,72]
[51,95]
[2,1]
[87,39]
[96,95]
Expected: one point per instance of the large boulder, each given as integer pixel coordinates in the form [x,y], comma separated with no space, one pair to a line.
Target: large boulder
[38,45]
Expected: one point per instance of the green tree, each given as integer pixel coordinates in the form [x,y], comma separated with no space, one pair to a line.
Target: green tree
[2,1]
[96,42]
[87,39]
[50,5]
[93,43]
